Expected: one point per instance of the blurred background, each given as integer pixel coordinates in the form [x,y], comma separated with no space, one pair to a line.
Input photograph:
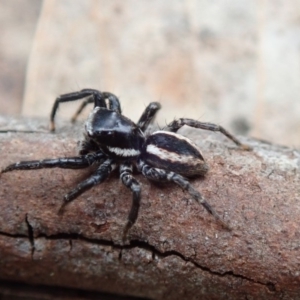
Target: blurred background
[235,62]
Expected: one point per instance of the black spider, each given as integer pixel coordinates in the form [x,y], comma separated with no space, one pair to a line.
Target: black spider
[112,140]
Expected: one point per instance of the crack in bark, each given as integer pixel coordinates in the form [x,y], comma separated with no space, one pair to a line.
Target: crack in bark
[120,254]
[13,235]
[30,235]
[71,245]
[135,244]
[156,253]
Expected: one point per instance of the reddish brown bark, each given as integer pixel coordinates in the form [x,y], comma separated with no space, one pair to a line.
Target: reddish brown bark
[175,250]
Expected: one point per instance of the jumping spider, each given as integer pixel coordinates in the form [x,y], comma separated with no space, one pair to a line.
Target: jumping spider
[112,140]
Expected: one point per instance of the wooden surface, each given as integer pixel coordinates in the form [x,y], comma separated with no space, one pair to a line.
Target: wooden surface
[175,250]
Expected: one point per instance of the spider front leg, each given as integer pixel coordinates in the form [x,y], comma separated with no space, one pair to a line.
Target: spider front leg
[76,162]
[157,174]
[97,177]
[177,124]
[72,97]
[97,97]
[111,102]
[130,182]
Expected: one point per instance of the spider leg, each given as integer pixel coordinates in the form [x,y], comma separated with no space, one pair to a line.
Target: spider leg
[81,107]
[112,104]
[98,99]
[97,177]
[97,96]
[157,174]
[177,124]
[76,162]
[130,182]
[148,115]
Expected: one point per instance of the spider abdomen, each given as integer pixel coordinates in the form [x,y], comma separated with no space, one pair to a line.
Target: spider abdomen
[173,152]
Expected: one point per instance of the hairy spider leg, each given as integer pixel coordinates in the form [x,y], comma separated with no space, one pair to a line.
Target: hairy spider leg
[130,182]
[100,175]
[97,96]
[148,115]
[157,174]
[76,162]
[177,124]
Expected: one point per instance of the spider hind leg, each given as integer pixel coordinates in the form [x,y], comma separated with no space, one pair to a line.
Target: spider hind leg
[157,174]
[177,124]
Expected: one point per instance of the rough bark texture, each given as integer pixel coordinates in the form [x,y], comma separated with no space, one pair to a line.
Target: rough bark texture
[175,250]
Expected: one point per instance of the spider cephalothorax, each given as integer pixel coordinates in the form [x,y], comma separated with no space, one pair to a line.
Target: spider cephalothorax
[112,140]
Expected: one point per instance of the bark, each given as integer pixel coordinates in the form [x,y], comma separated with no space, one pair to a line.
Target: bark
[176,250]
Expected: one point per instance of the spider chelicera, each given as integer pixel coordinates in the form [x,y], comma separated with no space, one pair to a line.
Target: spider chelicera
[112,140]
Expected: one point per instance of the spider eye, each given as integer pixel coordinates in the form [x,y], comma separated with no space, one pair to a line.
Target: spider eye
[107,133]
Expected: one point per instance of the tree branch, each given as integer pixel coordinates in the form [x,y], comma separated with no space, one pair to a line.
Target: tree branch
[175,250]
